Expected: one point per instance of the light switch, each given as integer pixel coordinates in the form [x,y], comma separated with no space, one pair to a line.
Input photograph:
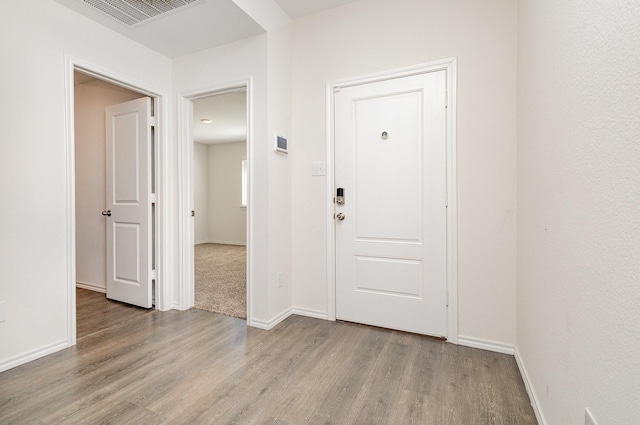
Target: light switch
[318,168]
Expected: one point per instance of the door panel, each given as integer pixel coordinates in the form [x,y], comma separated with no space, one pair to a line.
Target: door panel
[126,242]
[129,176]
[126,161]
[375,155]
[390,147]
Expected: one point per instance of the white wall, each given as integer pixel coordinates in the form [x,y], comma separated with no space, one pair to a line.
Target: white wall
[201,193]
[91,99]
[227,218]
[279,74]
[377,35]
[578,208]
[34,278]
[213,68]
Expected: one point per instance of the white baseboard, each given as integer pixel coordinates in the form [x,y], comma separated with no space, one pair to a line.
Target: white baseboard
[221,242]
[91,287]
[532,394]
[270,324]
[316,314]
[33,355]
[484,344]
[267,325]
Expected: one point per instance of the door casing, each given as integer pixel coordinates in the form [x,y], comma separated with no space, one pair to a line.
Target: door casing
[450,66]
[186,187]
[163,220]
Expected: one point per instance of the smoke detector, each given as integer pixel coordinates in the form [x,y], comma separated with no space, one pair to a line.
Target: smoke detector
[135,12]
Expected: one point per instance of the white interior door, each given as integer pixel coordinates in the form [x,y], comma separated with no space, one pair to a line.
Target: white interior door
[390,160]
[129,202]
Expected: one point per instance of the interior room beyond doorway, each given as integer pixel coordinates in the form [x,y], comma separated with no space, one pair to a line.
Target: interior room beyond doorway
[220,202]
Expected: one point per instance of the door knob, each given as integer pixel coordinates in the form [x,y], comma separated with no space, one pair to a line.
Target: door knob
[107,213]
[340,216]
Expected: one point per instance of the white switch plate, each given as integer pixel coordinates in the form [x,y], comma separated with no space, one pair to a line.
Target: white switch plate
[2,312]
[318,168]
[588,418]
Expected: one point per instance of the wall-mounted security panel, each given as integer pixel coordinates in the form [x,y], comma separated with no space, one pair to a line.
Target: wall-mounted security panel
[281,144]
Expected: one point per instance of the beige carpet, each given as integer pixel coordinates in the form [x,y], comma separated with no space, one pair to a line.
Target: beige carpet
[221,279]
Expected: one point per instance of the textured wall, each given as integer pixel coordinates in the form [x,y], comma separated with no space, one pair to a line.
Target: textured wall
[578,303]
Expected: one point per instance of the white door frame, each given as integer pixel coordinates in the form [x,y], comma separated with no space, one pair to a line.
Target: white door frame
[186,187]
[450,66]
[163,225]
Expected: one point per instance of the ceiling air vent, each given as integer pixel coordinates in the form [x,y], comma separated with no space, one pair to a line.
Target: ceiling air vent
[133,12]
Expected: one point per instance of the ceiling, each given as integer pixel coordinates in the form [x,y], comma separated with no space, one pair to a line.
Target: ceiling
[201,24]
[228,115]
[298,8]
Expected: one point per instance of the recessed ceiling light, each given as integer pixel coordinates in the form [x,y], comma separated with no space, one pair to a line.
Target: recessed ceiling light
[205,121]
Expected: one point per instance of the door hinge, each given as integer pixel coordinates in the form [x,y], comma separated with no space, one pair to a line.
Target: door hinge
[447,299]
[154,274]
[153,121]
[153,198]
[446,199]
[446,99]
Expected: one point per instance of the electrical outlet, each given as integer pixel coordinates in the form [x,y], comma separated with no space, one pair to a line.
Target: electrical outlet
[279,279]
[588,418]
[2,312]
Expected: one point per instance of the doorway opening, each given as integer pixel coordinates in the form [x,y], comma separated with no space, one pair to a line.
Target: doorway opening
[210,220]
[220,202]
[91,97]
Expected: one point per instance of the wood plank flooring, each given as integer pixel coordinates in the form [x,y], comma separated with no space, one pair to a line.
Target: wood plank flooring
[135,366]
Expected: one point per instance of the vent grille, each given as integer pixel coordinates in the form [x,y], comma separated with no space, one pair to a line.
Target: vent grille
[133,12]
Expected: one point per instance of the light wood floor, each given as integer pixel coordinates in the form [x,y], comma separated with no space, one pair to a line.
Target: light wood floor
[133,366]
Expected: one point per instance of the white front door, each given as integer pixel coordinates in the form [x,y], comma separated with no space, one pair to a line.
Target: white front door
[390,161]
[129,202]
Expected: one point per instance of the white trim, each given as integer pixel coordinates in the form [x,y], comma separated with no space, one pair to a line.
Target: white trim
[72,64]
[186,204]
[484,344]
[70,175]
[450,66]
[220,242]
[33,355]
[270,324]
[533,399]
[91,287]
[331,233]
[316,314]
[185,187]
